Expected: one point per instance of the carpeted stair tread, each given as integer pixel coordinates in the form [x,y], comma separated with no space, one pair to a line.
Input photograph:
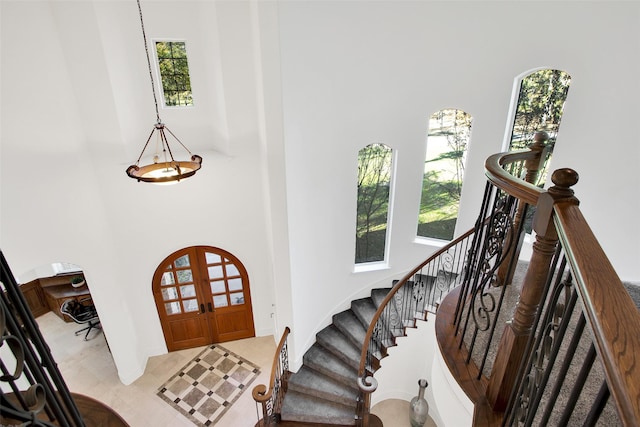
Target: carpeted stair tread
[327,363]
[350,326]
[379,294]
[313,383]
[337,343]
[304,408]
[364,309]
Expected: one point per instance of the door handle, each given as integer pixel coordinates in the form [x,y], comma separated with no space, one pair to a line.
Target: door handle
[201,308]
[210,310]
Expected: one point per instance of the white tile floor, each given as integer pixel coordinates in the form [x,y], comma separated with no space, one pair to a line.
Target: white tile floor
[88,368]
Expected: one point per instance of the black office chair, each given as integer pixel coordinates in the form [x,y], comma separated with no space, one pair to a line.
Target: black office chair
[82,314]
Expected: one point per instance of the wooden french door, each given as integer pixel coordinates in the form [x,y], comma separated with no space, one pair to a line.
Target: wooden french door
[202,295]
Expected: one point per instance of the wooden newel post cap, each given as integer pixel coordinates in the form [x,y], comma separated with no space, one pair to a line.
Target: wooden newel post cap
[563,179]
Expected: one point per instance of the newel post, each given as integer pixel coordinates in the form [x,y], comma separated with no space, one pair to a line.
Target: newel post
[533,167]
[511,350]
[367,386]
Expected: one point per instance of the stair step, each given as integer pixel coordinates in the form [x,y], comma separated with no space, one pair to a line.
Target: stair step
[313,383]
[338,344]
[364,309]
[350,326]
[304,408]
[327,363]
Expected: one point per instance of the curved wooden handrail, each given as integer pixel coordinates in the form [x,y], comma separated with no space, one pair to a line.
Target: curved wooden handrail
[497,175]
[614,318]
[393,291]
[260,392]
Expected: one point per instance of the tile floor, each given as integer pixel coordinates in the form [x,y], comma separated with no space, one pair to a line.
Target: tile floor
[88,368]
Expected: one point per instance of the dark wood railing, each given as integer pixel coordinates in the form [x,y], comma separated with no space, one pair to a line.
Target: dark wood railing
[612,315]
[511,331]
[586,342]
[269,399]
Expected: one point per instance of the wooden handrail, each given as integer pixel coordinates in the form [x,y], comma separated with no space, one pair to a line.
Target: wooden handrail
[614,318]
[261,394]
[392,293]
[497,175]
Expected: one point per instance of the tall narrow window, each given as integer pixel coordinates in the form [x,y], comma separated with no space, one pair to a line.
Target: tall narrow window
[541,99]
[174,73]
[447,142]
[374,183]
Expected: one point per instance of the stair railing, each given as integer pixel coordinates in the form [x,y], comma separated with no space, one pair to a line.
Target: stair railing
[33,391]
[583,343]
[573,332]
[269,399]
[481,258]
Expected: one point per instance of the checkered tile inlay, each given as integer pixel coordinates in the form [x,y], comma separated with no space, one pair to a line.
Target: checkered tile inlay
[205,388]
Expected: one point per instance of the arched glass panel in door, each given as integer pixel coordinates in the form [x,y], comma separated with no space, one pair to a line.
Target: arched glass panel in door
[225,281]
[177,287]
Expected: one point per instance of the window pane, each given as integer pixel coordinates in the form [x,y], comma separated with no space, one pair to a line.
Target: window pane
[183,261]
[190,305]
[215,272]
[235,284]
[169,293]
[172,307]
[174,73]
[220,301]
[447,142]
[237,298]
[178,50]
[212,258]
[184,276]
[188,291]
[374,184]
[217,287]
[232,270]
[541,101]
[167,279]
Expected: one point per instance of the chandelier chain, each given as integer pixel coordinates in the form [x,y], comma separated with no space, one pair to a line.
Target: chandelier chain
[146,49]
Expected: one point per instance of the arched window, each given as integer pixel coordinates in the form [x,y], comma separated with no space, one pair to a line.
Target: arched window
[540,104]
[447,143]
[375,169]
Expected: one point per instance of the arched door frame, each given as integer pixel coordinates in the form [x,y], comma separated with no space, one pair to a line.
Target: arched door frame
[202,296]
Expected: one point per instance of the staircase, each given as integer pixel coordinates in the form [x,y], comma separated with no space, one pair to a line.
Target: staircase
[324,390]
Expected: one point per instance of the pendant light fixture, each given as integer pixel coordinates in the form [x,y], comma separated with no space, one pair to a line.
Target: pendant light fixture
[165,168]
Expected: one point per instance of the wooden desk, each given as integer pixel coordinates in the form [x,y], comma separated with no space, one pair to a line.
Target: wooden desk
[56,295]
[48,293]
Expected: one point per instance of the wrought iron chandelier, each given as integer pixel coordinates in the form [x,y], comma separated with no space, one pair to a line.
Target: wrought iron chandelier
[165,168]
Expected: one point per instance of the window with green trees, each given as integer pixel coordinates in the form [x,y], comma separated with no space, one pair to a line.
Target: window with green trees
[447,143]
[374,190]
[541,99]
[174,73]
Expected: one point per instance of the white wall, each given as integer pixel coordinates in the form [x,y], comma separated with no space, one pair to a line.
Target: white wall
[77,108]
[354,73]
[417,356]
